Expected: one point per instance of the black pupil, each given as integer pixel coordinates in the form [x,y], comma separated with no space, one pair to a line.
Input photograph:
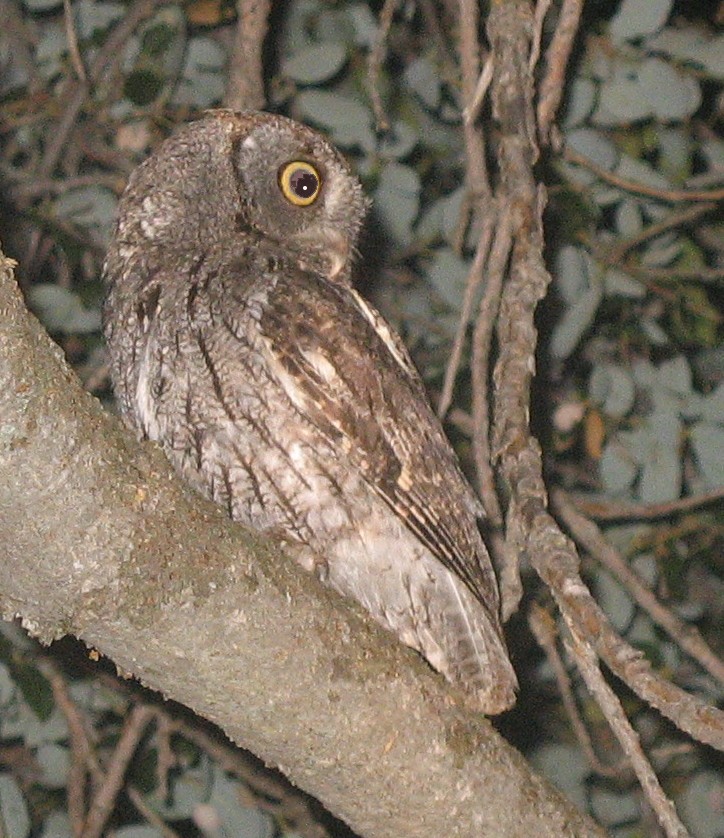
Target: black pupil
[303,183]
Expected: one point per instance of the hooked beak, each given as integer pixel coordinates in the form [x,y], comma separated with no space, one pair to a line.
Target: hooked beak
[327,251]
[338,252]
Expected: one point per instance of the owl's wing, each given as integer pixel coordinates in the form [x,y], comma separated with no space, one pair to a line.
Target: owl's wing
[344,369]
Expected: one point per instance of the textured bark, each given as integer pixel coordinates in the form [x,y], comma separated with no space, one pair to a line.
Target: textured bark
[100,540]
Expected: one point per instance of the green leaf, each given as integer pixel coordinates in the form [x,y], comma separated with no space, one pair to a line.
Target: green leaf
[634,18]
[61,310]
[662,468]
[580,102]
[364,24]
[13,809]
[566,766]
[397,200]
[399,141]
[618,283]
[91,207]
[671,94]
[701,807]
[41,5]
[54,761]
[202,81]
[315,64]
[712,406]
[92,18]
[35,689]
[707,441]
[575,321]
[56,825]
[235,818]
[613,388]
[448,274]
[675,375]
[693,45]
[615,600]
[422,76]
[617,470]
[347,119]
[7,686]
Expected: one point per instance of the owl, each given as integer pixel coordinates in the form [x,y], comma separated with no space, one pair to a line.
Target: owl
[239,344]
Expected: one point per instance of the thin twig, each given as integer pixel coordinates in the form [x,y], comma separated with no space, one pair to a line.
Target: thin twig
[245,80]
[166,759]
[554,559]
[438,32]
[675,219]
[472,111]
[541,12]
[72,38]
[587,533]
[530,528]
[102,805]
[638,188]
[469,51]
[152,817]
[26,190]
[81,752]
[480,363]
[375,61]
[544,630]
[472,284]
[606,510]
[608,701]
[559,51]
[650,276]
[76,97]
[276,796]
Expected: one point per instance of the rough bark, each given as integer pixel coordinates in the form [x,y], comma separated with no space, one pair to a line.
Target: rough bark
[101,541]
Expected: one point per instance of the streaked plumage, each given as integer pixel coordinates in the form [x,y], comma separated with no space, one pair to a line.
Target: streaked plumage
[239,344]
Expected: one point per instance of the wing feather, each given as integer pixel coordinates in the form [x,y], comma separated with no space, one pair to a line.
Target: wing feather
[372,403]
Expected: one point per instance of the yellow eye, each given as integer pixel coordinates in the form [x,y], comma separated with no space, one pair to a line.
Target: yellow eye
[300,183]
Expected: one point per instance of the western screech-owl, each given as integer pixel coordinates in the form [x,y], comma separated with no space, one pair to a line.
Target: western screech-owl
[238,343]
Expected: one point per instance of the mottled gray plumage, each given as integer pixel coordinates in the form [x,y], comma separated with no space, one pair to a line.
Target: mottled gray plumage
[238,343]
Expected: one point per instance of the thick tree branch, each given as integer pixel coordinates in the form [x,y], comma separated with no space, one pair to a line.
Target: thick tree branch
[101,541]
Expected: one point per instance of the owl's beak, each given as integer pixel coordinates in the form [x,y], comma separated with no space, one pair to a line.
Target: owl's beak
[338,251]
[326,250]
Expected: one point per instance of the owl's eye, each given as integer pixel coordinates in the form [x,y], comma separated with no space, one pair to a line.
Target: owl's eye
[300,183]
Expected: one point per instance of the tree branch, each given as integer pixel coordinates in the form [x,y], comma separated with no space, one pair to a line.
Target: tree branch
[100,540]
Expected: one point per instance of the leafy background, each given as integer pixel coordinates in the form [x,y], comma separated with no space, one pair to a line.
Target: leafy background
[630,393]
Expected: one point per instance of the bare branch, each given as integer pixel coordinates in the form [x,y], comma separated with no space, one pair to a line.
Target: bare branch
[102,805]
[375,61]
[559,51]
[217,618]
[75,97]
[607,510]
[587,533]
[245,83]
[638,188]
[609,703]
[544,629]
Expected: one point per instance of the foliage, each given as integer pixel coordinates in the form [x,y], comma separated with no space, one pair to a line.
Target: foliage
[631,351]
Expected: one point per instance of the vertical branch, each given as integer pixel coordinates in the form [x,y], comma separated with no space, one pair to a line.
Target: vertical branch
[474,84]
[245,86]
[530,529]
[375,61]
[610,704]
[559,51]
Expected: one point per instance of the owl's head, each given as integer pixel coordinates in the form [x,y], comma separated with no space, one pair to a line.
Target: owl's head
[231,173]
[297,190]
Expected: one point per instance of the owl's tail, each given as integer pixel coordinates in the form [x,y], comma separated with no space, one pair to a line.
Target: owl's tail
[463,641]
